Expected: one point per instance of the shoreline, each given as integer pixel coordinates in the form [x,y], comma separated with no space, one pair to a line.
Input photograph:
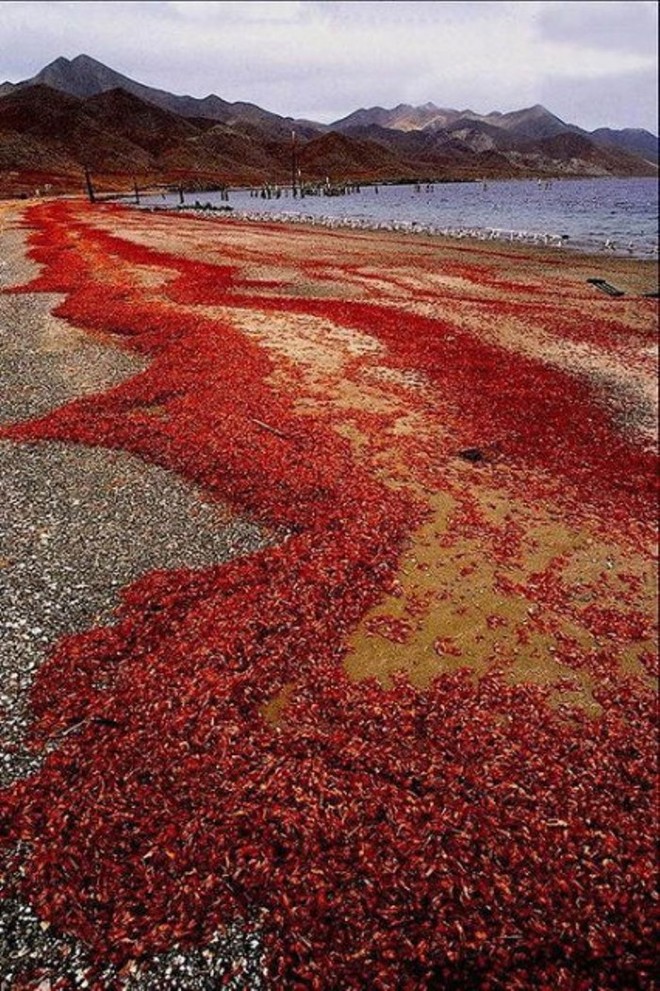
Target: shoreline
[616,244]
[505,237]
[569,257]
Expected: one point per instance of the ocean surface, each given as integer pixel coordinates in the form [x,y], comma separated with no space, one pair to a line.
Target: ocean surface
[594,215]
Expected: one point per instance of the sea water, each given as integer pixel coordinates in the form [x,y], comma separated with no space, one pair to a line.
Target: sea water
[594,215]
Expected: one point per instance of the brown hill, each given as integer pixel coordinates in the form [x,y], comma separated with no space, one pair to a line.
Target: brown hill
[634,140]
[65,128]
[120,125]
[403,117]
[575,154]
[143,124]
[120,136]
[479,136]
[21,153]
[229,155]
[507,130]
[343,158]
[84,76]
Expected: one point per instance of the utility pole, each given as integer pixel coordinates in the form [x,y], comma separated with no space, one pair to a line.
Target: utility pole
[137,192]
[293,163]
[90,188]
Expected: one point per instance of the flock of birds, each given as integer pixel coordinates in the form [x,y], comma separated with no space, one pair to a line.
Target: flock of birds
[397,226]
[540,238]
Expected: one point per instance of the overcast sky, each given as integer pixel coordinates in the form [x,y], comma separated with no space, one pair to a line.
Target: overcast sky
[592,63]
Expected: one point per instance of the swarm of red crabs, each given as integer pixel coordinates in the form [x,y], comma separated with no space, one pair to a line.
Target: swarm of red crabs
[466,836]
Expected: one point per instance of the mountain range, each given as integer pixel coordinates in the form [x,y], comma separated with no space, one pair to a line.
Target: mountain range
[80,113]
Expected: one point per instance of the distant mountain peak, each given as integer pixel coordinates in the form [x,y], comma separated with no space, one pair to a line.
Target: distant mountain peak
[79,61]
[85,76]
[83,111]
[61,60]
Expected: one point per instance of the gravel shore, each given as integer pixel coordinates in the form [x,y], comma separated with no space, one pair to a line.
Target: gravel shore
[76,525]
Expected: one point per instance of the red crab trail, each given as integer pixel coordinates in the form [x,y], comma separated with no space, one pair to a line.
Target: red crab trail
[468,836]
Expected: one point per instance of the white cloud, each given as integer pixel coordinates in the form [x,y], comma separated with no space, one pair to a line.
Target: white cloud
[323,59]
[226,11]
[602,25]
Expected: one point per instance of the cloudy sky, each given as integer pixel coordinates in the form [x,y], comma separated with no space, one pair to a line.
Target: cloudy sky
[592,63]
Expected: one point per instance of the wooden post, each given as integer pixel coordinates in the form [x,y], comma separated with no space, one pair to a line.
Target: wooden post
[90,188]
[293,163]
[137,192]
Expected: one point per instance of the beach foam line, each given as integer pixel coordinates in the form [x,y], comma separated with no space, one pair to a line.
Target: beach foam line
[545,239]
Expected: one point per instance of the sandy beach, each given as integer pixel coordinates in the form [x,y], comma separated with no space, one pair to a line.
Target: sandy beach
[329,562]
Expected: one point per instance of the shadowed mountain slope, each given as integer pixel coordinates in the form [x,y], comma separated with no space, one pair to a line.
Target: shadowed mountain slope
[79,113]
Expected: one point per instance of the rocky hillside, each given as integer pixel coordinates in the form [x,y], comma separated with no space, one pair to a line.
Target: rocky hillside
[78,114]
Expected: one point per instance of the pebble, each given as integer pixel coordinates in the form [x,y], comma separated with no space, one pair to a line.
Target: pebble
[78,524]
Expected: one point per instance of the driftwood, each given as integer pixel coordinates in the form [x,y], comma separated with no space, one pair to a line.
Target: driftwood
[273,430]
[606,287]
